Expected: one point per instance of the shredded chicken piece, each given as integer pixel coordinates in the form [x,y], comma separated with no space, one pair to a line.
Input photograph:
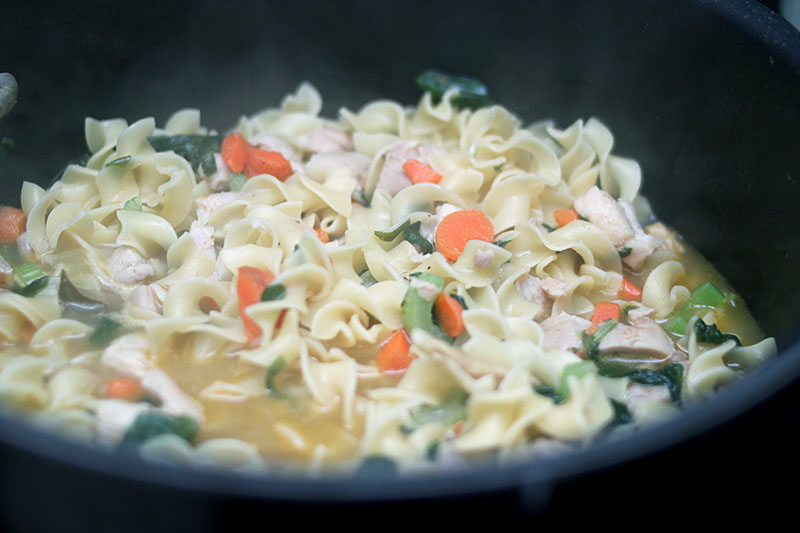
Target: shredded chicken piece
[562,332]
[484,256]
[641,244]
[644,336]
[127,355]
[667,237]
[604,212]
[393,178]
[541,292]
[208,204]
[126,265]
[325,139]
[148,296]
[203,236]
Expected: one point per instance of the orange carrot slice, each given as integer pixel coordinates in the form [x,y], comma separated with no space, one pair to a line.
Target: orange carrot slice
[124,389]
[458,228]
[394,353]
[420,172]
[448,314]
[322,234]
[265,162]
[565,216]
[250,286]
[629,291]
[605,311]
[12,224]
[234,151]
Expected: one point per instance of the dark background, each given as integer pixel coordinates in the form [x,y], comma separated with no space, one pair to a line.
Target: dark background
[703,94]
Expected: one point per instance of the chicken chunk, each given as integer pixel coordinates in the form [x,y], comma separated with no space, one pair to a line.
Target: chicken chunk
[208,204]
[357,164]
[203,236]
[126,265]
[148,296]
[604,212]
[484,256]
[641,244]
[393,178]
[541,292]
[645,336]
[127,355]
[114,417]
[562,332]
[325,139]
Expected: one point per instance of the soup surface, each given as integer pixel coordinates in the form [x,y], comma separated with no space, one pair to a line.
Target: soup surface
[432,284]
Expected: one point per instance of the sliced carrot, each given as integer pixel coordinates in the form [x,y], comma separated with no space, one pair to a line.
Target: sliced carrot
[629,291]
[322,234]
[605,311]
[250,286]
[448,314]
[565,216]
[394,353]
[124,389]
[420,172]
[458,228]
[12,224]
[207,304]
[265,162]
[234,151]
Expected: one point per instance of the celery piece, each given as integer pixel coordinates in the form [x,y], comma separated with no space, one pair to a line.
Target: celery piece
[578,370]
[27,273]
[134,204]
[705,296]
[237,181]
[418,311]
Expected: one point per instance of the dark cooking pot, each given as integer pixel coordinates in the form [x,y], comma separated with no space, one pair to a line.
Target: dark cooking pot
[705,94]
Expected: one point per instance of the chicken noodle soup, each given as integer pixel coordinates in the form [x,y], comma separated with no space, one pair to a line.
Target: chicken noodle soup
[431,284]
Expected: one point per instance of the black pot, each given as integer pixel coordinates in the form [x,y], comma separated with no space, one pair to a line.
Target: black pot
[704,94]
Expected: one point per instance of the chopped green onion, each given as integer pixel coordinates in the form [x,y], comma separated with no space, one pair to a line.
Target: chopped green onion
[275,291]
[134,204]
[413,235]
[119,162]
[237,181]
[392,233]
[27,273]
[150,425]
[106,331]
[472,94]
[452,410]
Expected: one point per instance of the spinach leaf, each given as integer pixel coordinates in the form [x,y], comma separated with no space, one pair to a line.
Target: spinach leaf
[670,376]
[198,150]
[472,94]
[591,343]
[452,410]
[550,392]
[377,466]
[106,331]
[712,334]
[149,425]
[273,370]
[119,162]
[392,233]
[624,251]
[621,414]
[503,243]
[274,291]
[548,227]
[412,235]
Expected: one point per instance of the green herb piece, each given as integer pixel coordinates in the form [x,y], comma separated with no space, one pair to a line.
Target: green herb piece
[460,300]
[581,217]
[705,296]
[106,331]
[499,167]
[550,392]
[578,370]
[503,243]
[624,251]
[472,94]
[182,232]
[76,306]
[591,343]
[392,233]
[412,235]
[548,227]
[11,254]
[274,291]
[198,150]
[27,273]
[625,310]
[621,414]
[149,425]
[273,370]
[134,204]
[712,334]
[119,162]
[452,410]
[237,181]
[33,288]
[432,450]
[417,311]
[670,376]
